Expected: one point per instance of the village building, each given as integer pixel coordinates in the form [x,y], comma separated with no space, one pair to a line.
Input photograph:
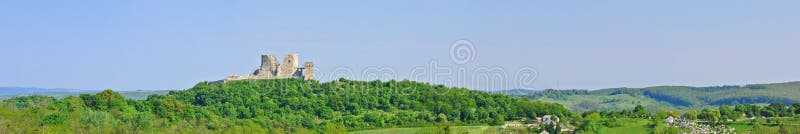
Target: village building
[669,120]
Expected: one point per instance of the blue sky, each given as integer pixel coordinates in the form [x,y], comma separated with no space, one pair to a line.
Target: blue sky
[129,45]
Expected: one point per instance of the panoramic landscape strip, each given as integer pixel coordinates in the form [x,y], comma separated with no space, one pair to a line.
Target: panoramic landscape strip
[399,67]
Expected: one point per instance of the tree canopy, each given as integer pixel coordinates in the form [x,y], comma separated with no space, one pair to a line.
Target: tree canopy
[276,105]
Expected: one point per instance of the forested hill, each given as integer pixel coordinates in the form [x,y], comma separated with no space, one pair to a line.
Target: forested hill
[668,97]
[279,105]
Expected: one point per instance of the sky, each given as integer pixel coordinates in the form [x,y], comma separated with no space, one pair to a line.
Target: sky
[166,45]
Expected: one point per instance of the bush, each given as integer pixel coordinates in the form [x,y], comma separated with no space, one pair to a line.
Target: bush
[94,118]
[139,120]
[497,121]
[55,119]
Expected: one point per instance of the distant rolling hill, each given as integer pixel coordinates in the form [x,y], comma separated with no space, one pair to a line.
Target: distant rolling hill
[8,92]
[668,97]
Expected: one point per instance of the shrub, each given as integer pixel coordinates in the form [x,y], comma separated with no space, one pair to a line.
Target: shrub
[55,119]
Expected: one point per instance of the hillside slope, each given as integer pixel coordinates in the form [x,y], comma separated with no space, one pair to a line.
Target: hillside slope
[666,97]
[276,105]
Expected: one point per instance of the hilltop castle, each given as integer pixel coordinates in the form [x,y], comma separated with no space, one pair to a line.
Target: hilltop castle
[271,69]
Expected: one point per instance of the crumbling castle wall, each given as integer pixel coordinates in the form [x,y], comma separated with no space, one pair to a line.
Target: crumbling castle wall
[271,69]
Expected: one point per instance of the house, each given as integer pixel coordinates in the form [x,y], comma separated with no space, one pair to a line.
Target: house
[670,120]
[549,120]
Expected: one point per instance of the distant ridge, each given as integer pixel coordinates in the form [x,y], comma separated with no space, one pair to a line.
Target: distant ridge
[668,97]
[8,92]
[5,91]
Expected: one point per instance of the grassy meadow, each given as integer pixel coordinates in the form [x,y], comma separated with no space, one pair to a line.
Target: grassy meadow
[425,130]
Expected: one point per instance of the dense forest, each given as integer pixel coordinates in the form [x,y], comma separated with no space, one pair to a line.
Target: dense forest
[271,106]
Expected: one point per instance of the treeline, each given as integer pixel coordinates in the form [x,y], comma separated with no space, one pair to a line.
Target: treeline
[271,106]
[666,97]
[775,109]
[725,113]
[557,94]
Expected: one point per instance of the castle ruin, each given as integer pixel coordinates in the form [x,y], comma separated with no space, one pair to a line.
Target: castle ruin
[272,69]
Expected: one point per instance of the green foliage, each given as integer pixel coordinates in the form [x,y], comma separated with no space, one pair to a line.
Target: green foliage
[439,129]
[275,106]
[55,119]
[711,115]
[678,98]
[111,99]
[549,93]
[332,128]
[666,130]
[691,114]
[94,118]
[497,120]
[614,122]
[30,101]
[139,120]
[728,113]
[593,123]
[630,126]
[639,111]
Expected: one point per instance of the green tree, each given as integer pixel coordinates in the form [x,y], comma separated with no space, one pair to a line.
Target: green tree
[640,112]
[281,105]
[593,122]
[104,100]
[711,115]
[796,108]
[728,113]
[691,114]
[442,118]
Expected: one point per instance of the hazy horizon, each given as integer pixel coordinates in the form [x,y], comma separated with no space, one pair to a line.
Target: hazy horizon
[163,45]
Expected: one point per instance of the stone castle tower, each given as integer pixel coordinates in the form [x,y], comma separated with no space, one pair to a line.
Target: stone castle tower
[272,69]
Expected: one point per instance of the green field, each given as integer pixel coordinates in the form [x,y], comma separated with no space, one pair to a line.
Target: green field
[416,130]
[773,125]
[630,126]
